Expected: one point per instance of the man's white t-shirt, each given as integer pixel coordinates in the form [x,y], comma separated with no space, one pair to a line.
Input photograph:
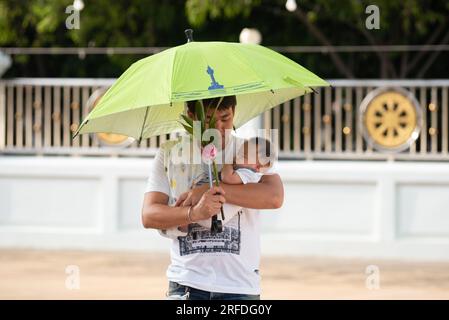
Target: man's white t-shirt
[226,262]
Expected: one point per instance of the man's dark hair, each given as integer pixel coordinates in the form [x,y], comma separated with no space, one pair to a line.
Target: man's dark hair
[226,103]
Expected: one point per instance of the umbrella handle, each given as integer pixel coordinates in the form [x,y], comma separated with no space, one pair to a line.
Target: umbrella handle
[189,35]
[216,225]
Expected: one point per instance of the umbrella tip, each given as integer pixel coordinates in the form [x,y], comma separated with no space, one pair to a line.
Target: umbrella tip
[189,35]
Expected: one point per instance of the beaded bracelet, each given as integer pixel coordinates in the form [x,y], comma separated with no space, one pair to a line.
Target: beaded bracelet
[189,212]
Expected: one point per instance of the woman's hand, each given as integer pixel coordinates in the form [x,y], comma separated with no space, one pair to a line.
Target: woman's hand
[192,197]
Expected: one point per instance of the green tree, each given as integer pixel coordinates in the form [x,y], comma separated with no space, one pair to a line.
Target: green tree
[324,22]
[103,23]
[142,23]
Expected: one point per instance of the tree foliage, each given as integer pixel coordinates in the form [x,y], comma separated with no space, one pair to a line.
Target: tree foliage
[139,23]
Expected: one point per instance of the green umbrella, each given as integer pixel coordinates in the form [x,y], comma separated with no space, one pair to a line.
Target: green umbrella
[149,96]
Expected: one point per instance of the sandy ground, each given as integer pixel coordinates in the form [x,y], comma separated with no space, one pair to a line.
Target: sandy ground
[28,274]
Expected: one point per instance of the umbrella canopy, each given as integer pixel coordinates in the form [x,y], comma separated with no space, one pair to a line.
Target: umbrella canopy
[150,95]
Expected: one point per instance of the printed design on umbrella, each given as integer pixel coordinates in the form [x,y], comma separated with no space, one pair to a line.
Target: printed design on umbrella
[214,84]
[161,83]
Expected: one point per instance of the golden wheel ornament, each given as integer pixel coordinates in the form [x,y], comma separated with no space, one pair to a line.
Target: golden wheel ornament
[107,139]
[390,118]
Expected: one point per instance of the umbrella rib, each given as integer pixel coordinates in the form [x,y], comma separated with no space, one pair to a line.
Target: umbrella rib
[143,125]
[314,91]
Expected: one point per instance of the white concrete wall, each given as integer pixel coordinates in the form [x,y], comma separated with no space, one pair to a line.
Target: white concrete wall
[358,209]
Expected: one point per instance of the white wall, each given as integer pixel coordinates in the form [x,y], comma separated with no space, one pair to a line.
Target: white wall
[364,209]
[361,209]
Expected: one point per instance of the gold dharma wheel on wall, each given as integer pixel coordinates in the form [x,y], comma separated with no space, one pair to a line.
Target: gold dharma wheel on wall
[390,118]
[109,139]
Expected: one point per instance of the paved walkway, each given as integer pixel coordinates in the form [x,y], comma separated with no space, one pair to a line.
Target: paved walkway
[28,274]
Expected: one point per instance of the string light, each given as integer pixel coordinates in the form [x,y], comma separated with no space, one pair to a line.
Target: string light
[252,36]
[291,5]
[78,5]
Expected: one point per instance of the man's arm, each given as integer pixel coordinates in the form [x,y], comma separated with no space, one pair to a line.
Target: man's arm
[229,175]
[267,194]
[157,214]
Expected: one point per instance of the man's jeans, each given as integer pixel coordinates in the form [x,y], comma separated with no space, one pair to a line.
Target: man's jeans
[180,292]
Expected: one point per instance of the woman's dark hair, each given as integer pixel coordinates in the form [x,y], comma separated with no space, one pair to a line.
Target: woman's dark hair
[227,102]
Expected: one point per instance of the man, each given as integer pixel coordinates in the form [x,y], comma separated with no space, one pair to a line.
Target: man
[204,265]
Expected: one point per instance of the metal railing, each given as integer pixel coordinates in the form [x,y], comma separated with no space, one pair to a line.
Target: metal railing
[39,116]
[326,125]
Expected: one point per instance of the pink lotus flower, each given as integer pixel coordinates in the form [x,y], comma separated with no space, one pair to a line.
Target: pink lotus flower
[209,153]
